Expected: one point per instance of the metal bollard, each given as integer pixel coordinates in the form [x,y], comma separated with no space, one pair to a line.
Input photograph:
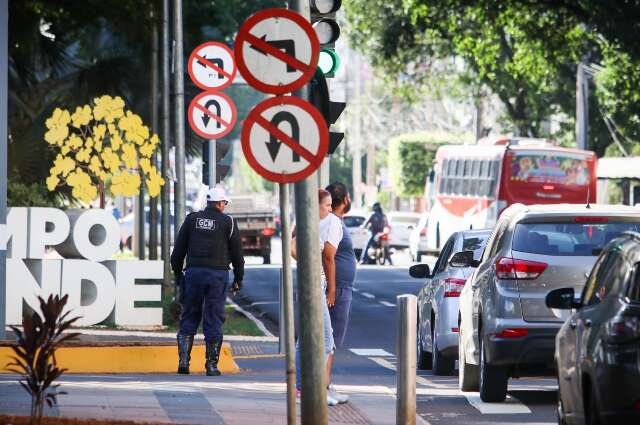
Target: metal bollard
[406,355]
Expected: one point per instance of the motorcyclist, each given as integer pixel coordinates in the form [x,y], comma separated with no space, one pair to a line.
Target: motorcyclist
[376,223]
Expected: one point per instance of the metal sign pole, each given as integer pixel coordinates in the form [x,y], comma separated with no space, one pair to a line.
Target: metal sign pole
[4,88]
[313,409]
[286,305]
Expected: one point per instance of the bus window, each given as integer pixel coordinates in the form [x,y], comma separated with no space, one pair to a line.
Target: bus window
[475,174]
[443,176]
[457,185]
[466,177]
[493,177]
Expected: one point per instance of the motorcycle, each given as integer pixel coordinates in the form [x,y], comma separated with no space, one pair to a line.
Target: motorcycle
[378,252]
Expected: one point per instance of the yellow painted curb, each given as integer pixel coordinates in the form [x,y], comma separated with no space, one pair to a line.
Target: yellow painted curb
[129,359]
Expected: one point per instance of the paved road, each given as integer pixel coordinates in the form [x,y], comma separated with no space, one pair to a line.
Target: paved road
[369,353]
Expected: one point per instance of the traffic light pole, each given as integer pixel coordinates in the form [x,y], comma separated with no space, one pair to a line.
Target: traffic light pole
[313,392]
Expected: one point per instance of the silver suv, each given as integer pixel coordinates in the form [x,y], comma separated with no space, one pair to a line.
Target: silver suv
[506,330]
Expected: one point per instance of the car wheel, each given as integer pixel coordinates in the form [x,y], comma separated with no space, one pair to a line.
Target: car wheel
[442,365]
[468,374]
[266,259]
[591,410]
[493,379]
[418,257]
[424,359]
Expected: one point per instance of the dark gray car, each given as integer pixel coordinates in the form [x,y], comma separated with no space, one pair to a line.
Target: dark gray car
[598,347]
[506,329]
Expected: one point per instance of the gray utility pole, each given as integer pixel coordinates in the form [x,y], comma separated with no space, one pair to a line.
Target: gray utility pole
[212,163]
[312,362]
[154,98]
[179,195]
[286,299]
[582,107]
[4,116]
[165,146]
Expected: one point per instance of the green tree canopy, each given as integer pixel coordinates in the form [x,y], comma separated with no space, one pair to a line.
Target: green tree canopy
[525,53]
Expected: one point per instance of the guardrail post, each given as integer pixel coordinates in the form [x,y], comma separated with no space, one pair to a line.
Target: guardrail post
[406,355]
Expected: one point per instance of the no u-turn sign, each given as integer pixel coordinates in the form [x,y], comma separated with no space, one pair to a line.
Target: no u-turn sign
[284,139]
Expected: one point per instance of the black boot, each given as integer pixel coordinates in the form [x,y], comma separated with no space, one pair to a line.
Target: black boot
[213,354]
[185,342]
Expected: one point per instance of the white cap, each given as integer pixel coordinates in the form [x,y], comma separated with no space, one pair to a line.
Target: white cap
[217,194]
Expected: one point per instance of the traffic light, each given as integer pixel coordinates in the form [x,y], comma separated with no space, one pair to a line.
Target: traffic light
[222,162]
[319,97]
[323,19]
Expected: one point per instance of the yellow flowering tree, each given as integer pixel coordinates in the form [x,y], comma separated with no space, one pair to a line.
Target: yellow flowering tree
[102,145]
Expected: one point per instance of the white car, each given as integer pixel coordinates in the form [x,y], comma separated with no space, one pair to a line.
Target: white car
[359,235]
[418,239]
[401,223]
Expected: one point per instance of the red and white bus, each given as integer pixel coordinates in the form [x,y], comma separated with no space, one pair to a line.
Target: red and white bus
[471,184]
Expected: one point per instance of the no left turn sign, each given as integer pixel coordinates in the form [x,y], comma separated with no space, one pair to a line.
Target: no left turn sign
[284,139]
[211,66]
[277,51]
[212,115]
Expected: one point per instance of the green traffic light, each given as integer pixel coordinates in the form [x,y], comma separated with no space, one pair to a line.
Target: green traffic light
[328,62]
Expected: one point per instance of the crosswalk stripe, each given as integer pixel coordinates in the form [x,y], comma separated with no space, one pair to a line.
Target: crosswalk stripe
[368,295]
[387,304]
[509,407]
[370,352]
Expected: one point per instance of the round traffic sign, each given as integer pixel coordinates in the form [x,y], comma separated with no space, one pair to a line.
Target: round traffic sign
[284,139]
[212,115]
[277,51]
[211,66]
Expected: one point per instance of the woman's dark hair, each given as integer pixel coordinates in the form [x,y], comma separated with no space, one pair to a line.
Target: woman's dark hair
[322,194]
[338,193]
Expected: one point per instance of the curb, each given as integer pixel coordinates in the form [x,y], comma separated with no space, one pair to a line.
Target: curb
[129,359]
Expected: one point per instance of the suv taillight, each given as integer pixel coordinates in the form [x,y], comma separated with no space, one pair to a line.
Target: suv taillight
[623,329]
[423,232]
[512,268]
[453,287]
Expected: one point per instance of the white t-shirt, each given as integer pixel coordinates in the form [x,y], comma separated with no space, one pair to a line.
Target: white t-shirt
[330,231]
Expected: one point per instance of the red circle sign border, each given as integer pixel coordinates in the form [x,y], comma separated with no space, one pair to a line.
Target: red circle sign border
[233,62]
[249,122]
[276,13]
[232,123]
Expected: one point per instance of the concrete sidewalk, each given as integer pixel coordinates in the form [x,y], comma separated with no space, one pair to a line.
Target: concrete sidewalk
[257,395]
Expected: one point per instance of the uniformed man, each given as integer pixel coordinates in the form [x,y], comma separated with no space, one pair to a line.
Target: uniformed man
[210,241]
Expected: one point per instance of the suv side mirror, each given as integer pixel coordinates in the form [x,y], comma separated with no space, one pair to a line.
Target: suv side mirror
[463,259]
[420,271]
[562,299]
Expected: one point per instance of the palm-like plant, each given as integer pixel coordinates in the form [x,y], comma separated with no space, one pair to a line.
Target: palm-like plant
[35,351]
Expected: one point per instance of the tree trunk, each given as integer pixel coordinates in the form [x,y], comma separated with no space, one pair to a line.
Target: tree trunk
[101,190]
[153,202]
